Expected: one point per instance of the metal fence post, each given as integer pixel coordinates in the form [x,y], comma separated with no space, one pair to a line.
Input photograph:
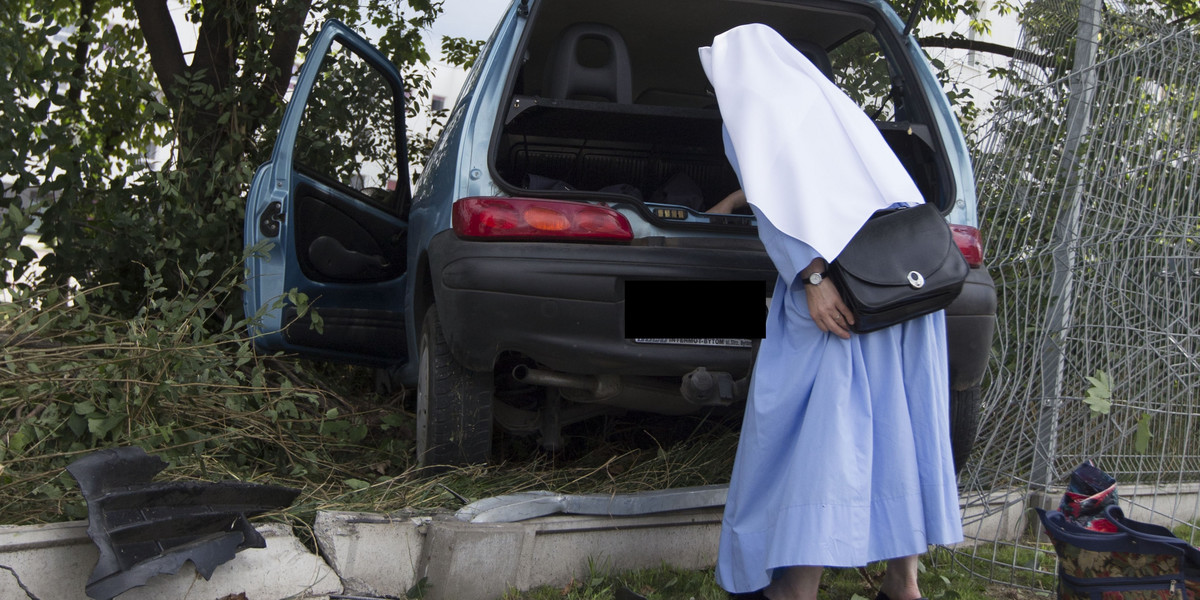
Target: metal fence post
[1083,83]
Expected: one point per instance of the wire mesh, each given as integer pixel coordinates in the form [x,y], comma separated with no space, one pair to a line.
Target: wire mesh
[1093,244]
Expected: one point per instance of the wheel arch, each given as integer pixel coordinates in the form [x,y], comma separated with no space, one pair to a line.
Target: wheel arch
[422,295]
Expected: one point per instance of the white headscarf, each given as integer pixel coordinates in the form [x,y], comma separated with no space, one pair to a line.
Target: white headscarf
[808,157]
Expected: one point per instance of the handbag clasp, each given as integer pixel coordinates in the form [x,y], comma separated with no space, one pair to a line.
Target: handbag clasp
[916,280]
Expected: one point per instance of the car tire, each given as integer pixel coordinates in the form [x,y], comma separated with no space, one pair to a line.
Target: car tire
[964,423]
[454,404]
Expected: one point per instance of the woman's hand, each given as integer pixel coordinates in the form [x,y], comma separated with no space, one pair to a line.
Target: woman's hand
[825,304]
[827,309]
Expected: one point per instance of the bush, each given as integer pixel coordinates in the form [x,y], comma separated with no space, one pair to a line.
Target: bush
[180,379]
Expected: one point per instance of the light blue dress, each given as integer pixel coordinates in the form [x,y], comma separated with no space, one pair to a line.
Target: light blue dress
[844,457]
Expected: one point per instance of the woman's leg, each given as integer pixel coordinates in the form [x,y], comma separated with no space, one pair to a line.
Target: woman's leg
[900,579]
[796,583]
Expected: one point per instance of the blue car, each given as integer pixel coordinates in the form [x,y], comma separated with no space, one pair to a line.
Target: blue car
[558,260]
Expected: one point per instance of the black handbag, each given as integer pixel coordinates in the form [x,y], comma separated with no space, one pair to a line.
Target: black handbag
[902,263]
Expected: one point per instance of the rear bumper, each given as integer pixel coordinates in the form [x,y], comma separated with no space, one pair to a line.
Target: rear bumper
[970,323]
[563,305]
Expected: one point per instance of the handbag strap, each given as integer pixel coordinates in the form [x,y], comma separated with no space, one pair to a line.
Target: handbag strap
[1058,527]
[1150,532]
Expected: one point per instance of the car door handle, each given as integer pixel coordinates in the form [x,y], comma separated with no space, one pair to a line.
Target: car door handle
[333,259]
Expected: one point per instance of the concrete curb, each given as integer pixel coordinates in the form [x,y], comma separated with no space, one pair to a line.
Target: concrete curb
[385,555]
[53,562]
[373,554]
[459,560]
[376,555]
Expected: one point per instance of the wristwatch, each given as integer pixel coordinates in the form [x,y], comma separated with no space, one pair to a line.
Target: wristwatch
[815,279]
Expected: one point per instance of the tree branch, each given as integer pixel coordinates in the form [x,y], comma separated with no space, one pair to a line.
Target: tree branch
[1185,18]
[287,39]
[82,48]
[8,338]
[978,46]
[162,41]
[211,60]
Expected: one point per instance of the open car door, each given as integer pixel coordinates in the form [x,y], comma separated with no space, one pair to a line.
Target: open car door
[325,218]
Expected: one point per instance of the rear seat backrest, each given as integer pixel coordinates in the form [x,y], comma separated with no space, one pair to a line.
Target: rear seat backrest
[817,55]
[608,77]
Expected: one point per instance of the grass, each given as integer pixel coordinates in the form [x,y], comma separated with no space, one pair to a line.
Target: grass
[184,383]
[319,428]
[940,580]
[73,379]
[639,453]
[1189,532]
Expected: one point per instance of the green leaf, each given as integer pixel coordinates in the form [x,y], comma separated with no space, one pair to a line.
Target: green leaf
[418,589]
[391,420]
[19,440]
[357,484]
[77,424]
[333,428]
[1141,438]
[288,409]
[101,427]
[1099,396]
[51,491]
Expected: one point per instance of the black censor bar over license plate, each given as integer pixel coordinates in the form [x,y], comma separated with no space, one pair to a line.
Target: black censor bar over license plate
[703,313]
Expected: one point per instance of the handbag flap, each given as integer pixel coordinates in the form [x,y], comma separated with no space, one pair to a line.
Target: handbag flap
[873,256]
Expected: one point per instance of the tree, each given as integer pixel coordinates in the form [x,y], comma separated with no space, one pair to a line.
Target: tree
[1047,49]
[96,90]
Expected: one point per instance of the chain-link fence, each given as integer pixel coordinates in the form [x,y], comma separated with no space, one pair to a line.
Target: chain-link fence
[1088,170]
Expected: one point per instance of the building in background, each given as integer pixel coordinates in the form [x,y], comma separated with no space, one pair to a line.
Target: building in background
[970,70]
[446,82]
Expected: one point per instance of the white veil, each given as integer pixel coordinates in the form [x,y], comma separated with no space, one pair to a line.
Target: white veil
[808,157]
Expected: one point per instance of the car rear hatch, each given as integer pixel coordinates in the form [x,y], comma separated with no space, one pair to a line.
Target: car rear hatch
[609,105]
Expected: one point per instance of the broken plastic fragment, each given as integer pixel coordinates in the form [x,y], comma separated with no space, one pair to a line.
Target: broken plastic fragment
[145,529]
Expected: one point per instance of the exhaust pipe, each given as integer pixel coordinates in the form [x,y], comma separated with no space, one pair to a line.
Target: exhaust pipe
[600,386]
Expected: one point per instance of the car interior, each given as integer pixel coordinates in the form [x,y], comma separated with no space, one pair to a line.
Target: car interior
[603,103]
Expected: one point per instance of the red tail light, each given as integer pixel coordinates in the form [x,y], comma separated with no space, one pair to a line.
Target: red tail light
[970,243]
[523,218]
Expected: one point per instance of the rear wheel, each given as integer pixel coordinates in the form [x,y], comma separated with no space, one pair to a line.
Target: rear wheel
[964,423]
[454,404]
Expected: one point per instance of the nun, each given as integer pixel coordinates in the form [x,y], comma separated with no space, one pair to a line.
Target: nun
[844,457]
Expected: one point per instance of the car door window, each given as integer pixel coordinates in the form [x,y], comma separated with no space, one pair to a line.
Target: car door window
[348,135]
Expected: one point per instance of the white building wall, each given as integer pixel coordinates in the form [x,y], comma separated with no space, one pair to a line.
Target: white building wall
[445,83]
[969,69]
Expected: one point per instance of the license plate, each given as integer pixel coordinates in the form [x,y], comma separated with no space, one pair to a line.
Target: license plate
[725,313]
[722,342]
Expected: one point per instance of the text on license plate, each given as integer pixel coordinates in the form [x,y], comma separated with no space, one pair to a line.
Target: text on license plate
[723,342]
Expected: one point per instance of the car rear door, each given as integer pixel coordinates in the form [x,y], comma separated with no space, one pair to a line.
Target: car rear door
[325,218]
